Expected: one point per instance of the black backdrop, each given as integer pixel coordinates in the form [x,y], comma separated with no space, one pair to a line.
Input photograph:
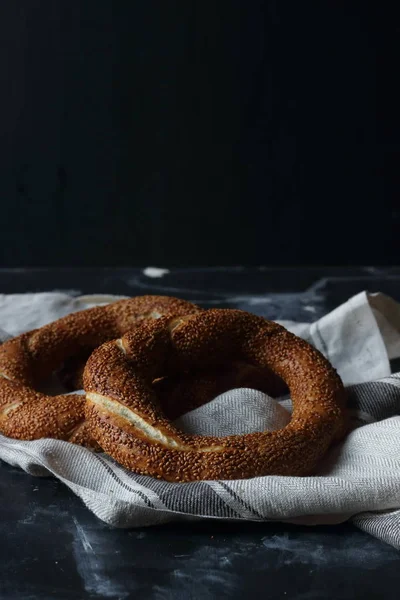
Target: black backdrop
[198,132]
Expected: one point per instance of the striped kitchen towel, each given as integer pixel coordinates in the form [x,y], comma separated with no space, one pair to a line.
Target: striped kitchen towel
[358,479]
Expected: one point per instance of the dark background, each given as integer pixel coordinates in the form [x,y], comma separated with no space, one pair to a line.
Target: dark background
[198,132]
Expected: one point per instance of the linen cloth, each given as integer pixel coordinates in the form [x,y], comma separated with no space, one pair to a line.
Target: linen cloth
[358,480]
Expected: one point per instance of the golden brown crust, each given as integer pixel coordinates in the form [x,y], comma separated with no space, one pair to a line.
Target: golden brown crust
[31,357]
[126,419]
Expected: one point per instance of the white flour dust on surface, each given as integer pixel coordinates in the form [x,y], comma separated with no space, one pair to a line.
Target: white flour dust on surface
[91,562]
[155,272]
[315,552]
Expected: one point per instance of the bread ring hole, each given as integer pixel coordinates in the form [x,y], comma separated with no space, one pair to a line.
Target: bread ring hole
[235,412]
[235,396]
[69,376]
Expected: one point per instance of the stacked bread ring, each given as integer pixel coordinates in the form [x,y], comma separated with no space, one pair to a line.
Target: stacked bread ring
[147,360]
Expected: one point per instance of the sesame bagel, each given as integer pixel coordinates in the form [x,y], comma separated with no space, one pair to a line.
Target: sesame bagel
[125,416]
[27,360]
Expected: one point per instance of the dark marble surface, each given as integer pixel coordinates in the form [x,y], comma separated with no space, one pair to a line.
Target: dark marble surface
[53,547]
